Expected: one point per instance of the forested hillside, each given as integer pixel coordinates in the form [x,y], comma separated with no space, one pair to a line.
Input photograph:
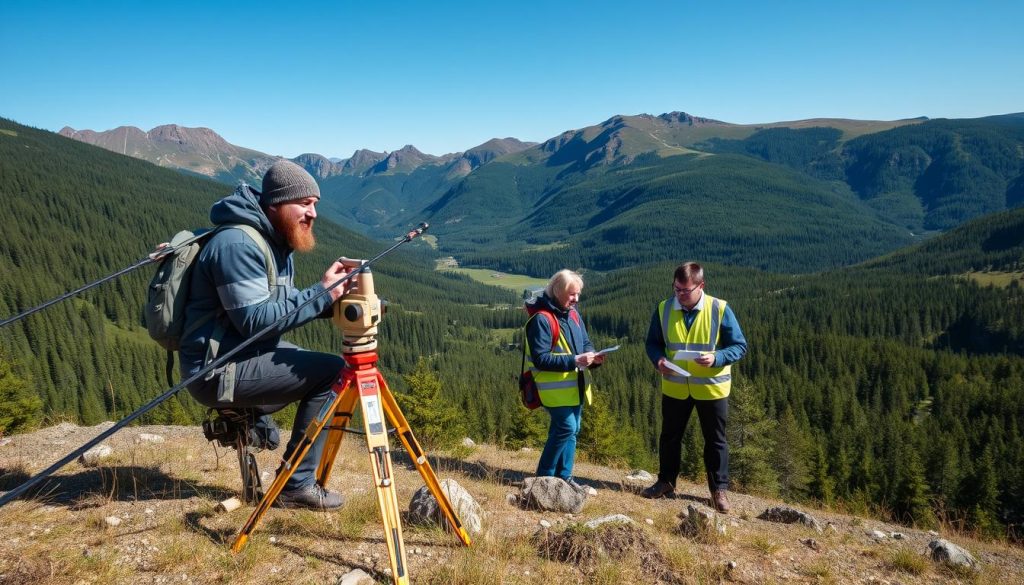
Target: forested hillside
[77,213]
[653,188]
[896,385]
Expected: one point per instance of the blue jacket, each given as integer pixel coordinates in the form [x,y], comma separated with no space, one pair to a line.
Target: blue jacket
[538,335]
[230,278]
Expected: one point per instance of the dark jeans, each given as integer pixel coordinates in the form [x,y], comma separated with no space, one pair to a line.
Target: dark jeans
[713,414]
[270,380]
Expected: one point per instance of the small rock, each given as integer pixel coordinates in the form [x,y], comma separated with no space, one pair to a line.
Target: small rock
[877,535]
[356,577]
[112,521]
[526,449]
[649,521]
[93,456]
[788,515]
[897,535]
[544,523]
[730,566]
[149,438]
[273,540]
[614,518]
[699,519]
[467,442]
[810,543]
[5,441]
[640,476]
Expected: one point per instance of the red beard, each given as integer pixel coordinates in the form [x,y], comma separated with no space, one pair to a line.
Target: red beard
[299,236]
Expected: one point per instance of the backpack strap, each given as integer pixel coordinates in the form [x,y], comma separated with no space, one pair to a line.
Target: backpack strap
[552,322]
[226,392]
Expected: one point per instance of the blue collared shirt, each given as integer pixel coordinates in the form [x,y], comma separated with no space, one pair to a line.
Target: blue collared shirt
[732,345]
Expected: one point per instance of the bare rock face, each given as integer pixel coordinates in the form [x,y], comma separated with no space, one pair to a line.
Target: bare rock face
[198,139]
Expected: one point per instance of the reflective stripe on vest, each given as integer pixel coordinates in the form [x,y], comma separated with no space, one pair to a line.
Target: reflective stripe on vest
[704,383]
[558,388]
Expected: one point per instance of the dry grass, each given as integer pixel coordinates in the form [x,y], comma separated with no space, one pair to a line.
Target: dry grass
[165,495]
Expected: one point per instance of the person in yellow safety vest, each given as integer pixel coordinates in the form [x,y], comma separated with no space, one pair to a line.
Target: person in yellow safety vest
[693,339]
[560,367]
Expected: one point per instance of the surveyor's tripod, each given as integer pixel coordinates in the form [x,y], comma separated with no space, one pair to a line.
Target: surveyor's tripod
[363,382]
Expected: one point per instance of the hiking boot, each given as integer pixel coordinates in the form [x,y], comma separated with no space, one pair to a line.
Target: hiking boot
[312,496]
[658,490]
[720,501]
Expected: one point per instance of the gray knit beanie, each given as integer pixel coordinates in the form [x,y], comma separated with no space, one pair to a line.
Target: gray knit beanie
[287,181]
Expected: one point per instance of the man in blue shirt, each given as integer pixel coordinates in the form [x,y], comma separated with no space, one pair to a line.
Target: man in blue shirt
[692,341]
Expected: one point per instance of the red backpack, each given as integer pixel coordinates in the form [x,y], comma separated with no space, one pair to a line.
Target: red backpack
[529,395]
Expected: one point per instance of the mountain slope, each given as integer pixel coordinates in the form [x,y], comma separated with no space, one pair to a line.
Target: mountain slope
[77,213]
[199,151]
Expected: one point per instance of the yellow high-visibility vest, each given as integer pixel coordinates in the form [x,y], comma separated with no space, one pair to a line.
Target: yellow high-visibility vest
[558,388]
[704,383]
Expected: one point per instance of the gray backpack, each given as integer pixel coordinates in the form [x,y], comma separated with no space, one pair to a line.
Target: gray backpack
[168,290]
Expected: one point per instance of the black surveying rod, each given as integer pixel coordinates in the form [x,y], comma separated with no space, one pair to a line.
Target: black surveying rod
[155,256]
[36,479]
[83,288]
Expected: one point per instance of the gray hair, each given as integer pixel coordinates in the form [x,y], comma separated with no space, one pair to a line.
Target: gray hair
[561,281]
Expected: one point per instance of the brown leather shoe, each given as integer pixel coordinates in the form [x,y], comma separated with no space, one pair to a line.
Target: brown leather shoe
[720,501]
[658,490]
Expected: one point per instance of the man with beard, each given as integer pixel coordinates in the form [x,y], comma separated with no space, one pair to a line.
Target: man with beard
[230,300]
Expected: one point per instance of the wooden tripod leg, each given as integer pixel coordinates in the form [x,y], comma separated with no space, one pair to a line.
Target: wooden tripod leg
[335,433]
[383,475]
[312,431]
[419,458]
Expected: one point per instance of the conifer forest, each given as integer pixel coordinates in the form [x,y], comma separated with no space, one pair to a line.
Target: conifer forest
[889,382]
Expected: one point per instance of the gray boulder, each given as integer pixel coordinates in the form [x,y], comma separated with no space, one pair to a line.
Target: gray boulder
[551,494]
[424,509]
[944,551]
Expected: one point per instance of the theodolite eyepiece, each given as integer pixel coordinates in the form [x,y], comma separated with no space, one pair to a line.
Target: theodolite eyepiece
[358,312]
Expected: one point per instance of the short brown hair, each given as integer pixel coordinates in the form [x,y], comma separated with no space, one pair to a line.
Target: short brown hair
[690,272]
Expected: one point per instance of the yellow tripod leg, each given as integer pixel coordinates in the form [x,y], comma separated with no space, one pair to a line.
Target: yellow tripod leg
[342,416]
[312,431]
[419,457]
[383,476]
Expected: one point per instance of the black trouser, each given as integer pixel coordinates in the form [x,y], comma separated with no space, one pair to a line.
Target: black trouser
[269,381]
[713,415]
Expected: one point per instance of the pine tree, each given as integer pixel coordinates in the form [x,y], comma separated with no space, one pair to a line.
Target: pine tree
[792,457]
[20,410]
[749,433]
[433,418]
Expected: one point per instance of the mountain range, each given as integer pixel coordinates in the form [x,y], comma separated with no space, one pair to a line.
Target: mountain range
[746,192]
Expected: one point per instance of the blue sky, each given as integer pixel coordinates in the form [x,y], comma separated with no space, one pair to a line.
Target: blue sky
[331,77]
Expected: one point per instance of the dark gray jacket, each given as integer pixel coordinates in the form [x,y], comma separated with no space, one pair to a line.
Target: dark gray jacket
[230,279]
